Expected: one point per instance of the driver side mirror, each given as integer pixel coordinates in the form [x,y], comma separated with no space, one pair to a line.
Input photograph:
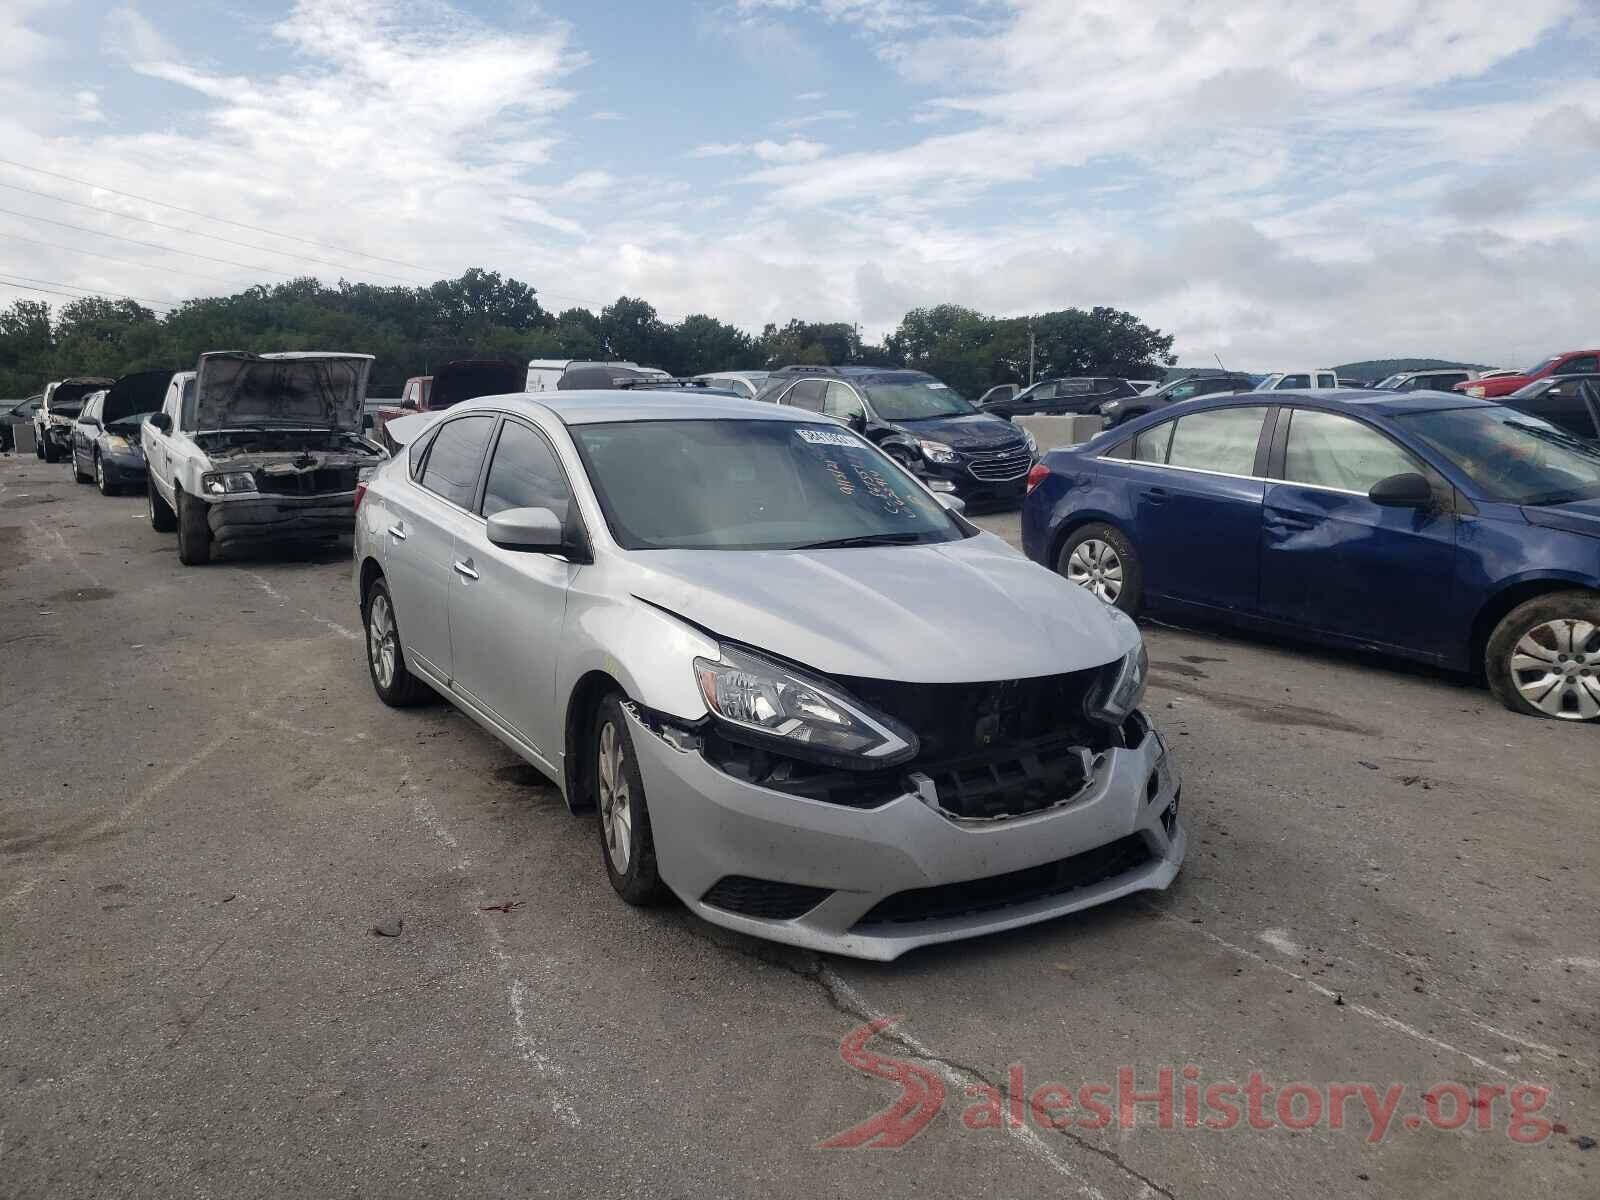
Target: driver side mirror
[537,530]
[1406,490]
[161,422]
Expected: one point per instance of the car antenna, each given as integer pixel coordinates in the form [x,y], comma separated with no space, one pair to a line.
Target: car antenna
[1218,357]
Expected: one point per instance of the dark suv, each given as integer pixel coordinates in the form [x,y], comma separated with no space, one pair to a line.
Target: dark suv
[1117,411]
[1064,397]
[919,421]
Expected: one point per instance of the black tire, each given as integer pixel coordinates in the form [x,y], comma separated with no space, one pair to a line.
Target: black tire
[162,519]
[38,445]
[100,480]
[77,475]
[403,690]
[638,882]
[194,532]
[1570,668]
[49,454]
[1130,590]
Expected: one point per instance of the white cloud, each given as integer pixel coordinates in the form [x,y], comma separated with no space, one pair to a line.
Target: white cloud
[809,97]
[127,34]
[817,118]
[605,114]
[88,107]
[795,150]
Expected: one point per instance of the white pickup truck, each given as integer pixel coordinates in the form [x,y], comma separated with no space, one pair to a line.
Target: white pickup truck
[259,447]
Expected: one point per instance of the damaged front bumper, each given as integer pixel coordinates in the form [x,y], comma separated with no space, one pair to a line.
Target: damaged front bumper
[876,882]
[259,518]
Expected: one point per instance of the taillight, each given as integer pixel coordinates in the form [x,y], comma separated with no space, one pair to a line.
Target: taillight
[1038,475]
[361,492]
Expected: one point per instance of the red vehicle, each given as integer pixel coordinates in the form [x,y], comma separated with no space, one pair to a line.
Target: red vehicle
[1573,362]
[464,379]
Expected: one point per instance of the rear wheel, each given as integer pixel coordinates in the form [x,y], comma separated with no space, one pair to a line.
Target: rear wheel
[386,657]
[1100,559]
[38,443]
[194,531]
[161,518]
[626,843]
[1543,659]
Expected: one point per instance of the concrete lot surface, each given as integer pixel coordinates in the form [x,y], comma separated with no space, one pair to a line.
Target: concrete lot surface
[204,811]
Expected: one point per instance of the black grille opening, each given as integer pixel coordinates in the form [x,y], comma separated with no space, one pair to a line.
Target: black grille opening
[1015,887]
[764,898]
[307,483]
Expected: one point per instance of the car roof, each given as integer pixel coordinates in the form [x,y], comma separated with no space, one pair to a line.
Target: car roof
[1363,400]
[864,374]
[587,407]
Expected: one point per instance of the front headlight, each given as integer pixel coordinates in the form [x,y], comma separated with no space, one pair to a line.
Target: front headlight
[758,701]
[365,474]
[937,452]
[1119,689]
[221,483]
[1033,443]
[1477,391]
[118,444]
[1110,408]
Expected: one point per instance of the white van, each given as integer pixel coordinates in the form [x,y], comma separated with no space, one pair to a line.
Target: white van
[544,374]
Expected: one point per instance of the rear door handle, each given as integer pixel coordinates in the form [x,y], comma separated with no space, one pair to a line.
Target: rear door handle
[398,531]
[464,569]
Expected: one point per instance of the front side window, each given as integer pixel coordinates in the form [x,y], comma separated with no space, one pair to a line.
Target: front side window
[451,467]
[1293,381]
[1332,451]
[1585,364]
[186,404]
[524,473]
[1221,439]
[753,485]
[839,400]
[806,394]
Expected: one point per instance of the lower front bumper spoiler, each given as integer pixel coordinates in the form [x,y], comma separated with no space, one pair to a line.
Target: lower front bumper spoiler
[709,826]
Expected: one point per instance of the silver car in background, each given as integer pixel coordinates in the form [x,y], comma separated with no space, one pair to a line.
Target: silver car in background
[805,694]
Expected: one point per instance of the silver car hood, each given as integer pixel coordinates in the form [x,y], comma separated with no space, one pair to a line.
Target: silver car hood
[954,612]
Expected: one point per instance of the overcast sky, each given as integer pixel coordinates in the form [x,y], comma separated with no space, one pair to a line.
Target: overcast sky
[1280,184]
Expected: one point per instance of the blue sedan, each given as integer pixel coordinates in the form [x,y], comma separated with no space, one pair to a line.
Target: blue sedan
[1437,527]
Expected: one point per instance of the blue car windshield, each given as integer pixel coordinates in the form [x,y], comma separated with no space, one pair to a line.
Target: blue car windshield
[1510,456]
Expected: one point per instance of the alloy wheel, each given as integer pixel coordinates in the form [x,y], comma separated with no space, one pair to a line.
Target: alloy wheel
[99,473]
[381,640]
[1094,564]
[616,807]
[1556,667]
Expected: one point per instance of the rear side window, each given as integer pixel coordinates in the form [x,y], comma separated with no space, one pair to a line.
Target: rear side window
[1585,364]
[451,467]
[525,474]
[1222,440]
[1328,450]
[1151,445]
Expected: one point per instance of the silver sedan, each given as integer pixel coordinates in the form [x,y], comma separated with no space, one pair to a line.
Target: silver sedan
[803,692]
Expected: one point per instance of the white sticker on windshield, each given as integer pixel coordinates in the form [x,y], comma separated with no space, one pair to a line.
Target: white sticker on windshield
[938,387]
[824,437]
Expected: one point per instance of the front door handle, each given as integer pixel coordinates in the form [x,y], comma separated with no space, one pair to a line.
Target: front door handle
[464,569]
[398,531]
[1156,495]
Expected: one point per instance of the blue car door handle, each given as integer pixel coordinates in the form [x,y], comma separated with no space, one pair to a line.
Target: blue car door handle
[1156,495]
[1289,522]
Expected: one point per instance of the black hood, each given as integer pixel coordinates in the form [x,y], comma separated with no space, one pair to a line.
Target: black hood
[141,392]
[469,378]
[70,393]
[966,431]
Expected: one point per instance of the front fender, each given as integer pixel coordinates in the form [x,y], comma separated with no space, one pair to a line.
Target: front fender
[646,649]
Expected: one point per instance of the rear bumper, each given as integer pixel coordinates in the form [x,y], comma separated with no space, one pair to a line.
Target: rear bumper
[281,518]
[709,827]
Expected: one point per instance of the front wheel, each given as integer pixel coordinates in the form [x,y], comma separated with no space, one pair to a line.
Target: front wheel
[161,518]
[78,474]
[50,454]
[194,532]
[386,656]
[1543,659]
[100,476]
[626,843]
[1100,559]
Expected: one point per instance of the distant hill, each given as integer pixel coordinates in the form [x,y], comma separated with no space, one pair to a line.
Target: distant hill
[1375,369]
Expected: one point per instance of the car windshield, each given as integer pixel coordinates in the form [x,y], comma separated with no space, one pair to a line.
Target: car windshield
[1388,381]
[753,485]
[1549,362]
[1511,456]
[916,400]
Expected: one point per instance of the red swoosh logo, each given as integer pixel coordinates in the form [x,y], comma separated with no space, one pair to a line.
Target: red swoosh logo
[921,1094]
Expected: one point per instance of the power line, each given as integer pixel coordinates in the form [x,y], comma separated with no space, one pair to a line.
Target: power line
[146,300]
[207,217]
[127,262]
[327,262]
[151,245]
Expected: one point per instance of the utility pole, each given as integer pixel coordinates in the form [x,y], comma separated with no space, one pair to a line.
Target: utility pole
[1030,351]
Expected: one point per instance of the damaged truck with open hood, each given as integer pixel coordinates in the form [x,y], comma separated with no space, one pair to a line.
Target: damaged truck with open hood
[259,447]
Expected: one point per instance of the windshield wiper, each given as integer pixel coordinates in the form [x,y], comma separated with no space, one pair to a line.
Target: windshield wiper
[903,538]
